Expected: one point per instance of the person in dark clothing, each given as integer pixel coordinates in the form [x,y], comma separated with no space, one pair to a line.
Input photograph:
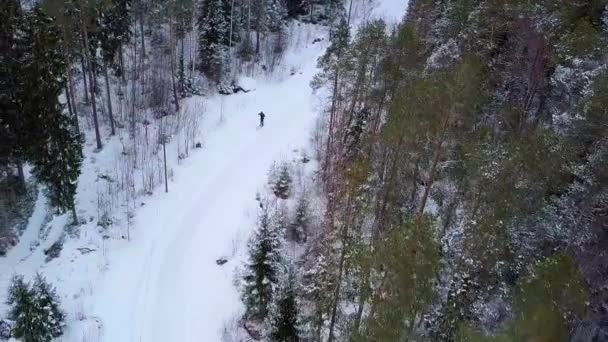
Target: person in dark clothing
[262,116]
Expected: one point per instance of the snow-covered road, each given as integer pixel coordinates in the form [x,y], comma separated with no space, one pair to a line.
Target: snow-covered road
[165,285]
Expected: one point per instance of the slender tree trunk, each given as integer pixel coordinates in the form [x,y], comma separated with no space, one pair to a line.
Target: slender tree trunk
[67,99]
[122,63]
[334,309]
[20,173]
[74,214]
[165,160]
[332,114]
[143,53]
[133,92]
[362,299]
[109,97]
[248,17]
[182,69]
[311,9]
[431,178]
[257,41]
[231,24]
[172,58]
[143,36]
[336,300]
[92,82]
[70,92]
[84,79]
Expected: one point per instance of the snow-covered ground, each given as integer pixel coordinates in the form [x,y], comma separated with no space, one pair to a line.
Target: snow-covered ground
[164,284]
[167,286]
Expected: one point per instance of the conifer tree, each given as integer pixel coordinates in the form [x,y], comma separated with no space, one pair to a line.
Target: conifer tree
[261,271]
[21,302]
[295,8]
[298,229]
[259,19]
[182,12]
[35,310]
[282,184]
[276,12]
[48,302]
[330,64]
[58,154]
[213,39]
[113,32]
[318,286]
[285,314]
[13,135]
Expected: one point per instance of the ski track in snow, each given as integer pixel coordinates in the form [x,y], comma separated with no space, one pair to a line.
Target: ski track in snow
[168,287]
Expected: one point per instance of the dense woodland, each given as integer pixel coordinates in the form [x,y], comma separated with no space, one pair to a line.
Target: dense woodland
[463,165]
[462,183]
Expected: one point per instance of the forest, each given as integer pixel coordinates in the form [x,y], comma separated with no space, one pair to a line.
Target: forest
[463,160]
[460,182]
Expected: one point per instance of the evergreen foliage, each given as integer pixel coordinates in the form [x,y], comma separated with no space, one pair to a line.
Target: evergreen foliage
[13,133]
[285,315]
[35,310]
[477,128]
[281,186]
[214,31]
[298,229]
[295,8]
[114,30]
[261,274]
[36,127]
[58,155]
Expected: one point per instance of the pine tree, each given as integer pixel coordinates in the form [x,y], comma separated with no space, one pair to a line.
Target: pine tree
[330,64]
[285,313]
[214,31]
[261,272]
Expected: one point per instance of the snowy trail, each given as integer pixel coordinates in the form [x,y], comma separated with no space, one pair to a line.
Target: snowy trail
[165,285]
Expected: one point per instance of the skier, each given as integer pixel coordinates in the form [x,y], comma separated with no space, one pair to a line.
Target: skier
[262,116]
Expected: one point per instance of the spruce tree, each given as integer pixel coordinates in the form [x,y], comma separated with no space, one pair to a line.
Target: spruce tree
[57,156]
[21,302]
[48,302]
[276,13]
[14,137]
[261,271]
[213,39]
[285,315]
[282,184]
[35,310]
